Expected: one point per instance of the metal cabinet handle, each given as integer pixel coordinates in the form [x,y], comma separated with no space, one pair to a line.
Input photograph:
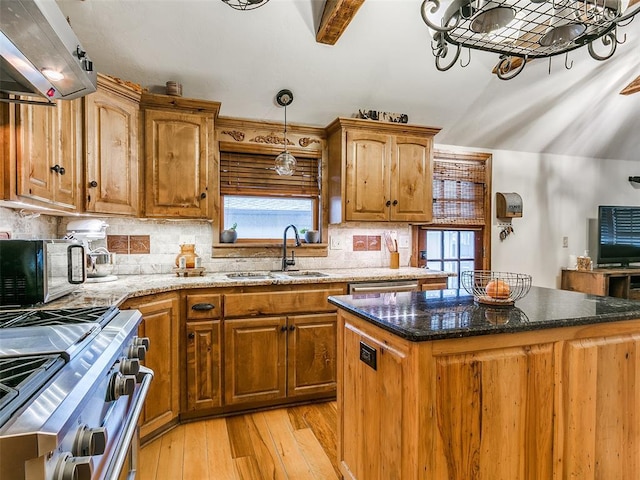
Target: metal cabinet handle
[395,202]
[58,169]
[388,204]
[203,306]
[93,184]
[283,328]
[192,335]
[203,195]
[292,328]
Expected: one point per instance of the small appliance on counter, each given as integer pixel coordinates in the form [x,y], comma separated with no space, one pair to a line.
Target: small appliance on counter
[100,263]
[39,271]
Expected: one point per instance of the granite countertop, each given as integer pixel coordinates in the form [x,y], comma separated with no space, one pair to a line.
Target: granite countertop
[129,286]
[441,314]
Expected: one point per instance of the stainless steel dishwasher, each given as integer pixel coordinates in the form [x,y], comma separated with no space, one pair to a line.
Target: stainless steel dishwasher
[384,287]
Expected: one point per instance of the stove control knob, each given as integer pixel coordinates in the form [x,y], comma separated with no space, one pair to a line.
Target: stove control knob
[130,366]
[90,441]
[143,341]
[137,351]
[74,468]
[121,385]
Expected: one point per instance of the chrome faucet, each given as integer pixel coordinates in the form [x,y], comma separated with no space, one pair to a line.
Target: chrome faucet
[286,263]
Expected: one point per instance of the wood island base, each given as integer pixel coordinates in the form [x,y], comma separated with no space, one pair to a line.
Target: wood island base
[557,403]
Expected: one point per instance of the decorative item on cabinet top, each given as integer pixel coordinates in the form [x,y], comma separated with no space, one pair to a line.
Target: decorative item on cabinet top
[384,116]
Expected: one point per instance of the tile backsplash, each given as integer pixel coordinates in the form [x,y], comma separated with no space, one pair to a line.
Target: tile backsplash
[148,246]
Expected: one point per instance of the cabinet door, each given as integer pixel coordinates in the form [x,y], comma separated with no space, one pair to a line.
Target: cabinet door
[48,149]
[367,188]
[203,365]
[372,449]
[255,359]
[178,162]
[599,419]
[311,354]
[160,324]
[411,180]
[111,153]
[494,415]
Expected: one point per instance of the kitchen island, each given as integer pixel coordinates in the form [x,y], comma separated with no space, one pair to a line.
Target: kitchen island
[433,386]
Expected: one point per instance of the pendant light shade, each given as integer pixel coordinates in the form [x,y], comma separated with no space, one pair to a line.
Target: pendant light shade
[285,162]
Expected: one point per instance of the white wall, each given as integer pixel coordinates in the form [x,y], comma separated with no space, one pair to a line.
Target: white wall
[559,195]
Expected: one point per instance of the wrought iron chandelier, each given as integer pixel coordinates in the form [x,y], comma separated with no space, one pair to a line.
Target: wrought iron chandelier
[245,4]
[521,30]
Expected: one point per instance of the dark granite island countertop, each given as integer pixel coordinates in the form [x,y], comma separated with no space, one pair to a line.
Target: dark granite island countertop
[433,385]
[440,314]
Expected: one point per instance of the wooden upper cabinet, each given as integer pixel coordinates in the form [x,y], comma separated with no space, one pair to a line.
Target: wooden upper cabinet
[379,171]
[111,157]
[47,153]
[180,157]
[368,169]
[411,179]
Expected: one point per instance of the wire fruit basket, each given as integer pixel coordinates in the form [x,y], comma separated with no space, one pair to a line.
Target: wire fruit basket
[496,288]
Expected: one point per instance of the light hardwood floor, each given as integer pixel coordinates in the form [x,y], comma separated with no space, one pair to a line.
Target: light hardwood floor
[294,443]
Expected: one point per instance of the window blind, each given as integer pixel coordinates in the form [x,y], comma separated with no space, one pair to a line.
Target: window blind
[459,192]
[247,173]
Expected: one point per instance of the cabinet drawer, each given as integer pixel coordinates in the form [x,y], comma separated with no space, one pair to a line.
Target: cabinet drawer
[267,303]
[204,306]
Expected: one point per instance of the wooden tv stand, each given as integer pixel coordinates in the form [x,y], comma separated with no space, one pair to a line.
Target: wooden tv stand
[612,282]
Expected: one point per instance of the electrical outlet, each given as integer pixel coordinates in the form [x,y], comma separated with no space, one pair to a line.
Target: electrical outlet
[336,242]
[403,241]
[565,242]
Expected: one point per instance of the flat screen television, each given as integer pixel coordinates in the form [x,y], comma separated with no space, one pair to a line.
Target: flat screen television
[618,235]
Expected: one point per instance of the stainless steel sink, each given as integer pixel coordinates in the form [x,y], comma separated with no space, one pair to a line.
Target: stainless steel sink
[248,275]
[305,274]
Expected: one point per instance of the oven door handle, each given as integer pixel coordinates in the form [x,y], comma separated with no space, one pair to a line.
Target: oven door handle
[383,289]
[132,423]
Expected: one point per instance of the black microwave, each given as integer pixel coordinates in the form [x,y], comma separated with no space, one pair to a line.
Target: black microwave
[38,271]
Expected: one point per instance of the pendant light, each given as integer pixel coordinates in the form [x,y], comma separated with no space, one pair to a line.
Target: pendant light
[285,162]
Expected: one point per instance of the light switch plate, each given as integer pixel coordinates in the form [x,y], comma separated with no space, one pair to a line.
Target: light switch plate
[403,241]
[336,242]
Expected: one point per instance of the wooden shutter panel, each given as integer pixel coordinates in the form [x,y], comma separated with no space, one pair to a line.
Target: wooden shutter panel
[246,174]
[459,192]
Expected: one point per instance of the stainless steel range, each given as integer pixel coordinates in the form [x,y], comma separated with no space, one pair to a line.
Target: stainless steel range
[71,391]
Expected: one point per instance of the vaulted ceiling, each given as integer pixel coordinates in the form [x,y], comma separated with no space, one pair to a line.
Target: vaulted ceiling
[382,61]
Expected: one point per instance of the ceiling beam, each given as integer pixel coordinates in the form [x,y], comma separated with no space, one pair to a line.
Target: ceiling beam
[633,87]
[336,17]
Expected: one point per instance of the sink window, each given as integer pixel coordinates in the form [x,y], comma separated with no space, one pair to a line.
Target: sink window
[261,202]
[261,217]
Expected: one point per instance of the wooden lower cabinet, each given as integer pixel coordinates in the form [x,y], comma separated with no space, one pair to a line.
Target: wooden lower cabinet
[161,321]
[204,387]
[552,404]
[311,354]
[255,359]
[280,357]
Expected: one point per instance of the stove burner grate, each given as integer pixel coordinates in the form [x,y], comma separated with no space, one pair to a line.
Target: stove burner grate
[65,316]
[21,377]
